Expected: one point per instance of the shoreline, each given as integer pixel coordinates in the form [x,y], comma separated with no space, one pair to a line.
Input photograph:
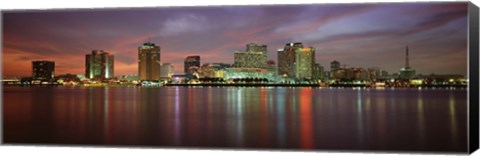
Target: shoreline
[253,85]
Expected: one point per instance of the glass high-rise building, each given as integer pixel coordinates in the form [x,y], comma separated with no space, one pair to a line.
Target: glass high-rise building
[99,64]
[191,61]
[149,62]
[304,63]
[286,59]
[43,70]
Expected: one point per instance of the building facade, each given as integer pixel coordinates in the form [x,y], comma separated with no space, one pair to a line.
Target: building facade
[99,65]
[250,59]
[318,72]
[304,62]
[242,73]
[213,70]
[43,70]
[166,70]
[191,62]
[286,59]
[149,62]
[252,47]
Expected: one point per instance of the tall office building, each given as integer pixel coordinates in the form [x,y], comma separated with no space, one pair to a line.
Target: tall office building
[99,64]
[43,70]
[304,63]
[191,62]
[407,72]
[286,59]
[149,62]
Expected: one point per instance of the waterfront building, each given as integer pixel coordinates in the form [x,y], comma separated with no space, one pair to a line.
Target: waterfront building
[242,73]
[43,70]
[191,61]
[286,59]
[304,62]
[407,72]
[99,65]
[342,74]
[360,74]
[318,72]
[374,73]
[149,62]
[166,71]
[213,70]
[128,77]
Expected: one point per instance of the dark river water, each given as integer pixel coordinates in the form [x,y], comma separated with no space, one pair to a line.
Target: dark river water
[238,117]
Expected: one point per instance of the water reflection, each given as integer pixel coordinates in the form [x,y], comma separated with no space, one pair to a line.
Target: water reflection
[294,118]
[281,118]
[421,117]
[360,124]
[453,119]
[306,128]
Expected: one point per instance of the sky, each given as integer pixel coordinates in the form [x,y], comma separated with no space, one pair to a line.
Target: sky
[358,35]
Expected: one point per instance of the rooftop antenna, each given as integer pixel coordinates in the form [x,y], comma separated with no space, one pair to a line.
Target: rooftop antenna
[149,38]
[406,59]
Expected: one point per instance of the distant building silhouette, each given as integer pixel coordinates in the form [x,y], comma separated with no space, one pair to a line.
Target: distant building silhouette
[334,65]
[43,70]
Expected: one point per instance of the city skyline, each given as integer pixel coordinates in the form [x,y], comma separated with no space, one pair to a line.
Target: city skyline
[359,35]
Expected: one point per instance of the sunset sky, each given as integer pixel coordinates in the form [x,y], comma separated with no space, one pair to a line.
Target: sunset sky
[359,35]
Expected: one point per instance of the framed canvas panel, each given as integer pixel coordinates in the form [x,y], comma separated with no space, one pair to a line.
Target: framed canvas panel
[356,77]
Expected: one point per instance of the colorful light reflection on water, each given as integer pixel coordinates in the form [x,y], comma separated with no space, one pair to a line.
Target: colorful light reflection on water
[243,117]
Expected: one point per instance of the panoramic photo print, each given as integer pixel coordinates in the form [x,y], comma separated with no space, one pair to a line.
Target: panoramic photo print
[318,77]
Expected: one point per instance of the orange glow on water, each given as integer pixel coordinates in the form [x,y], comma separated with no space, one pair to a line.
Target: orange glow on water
[306,127]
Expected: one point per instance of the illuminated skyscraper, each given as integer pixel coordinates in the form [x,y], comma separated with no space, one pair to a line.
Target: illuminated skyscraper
[191,62]
[149,62]
[286,59]
[99,64]
[43,70]
[295,61]
[304,62]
